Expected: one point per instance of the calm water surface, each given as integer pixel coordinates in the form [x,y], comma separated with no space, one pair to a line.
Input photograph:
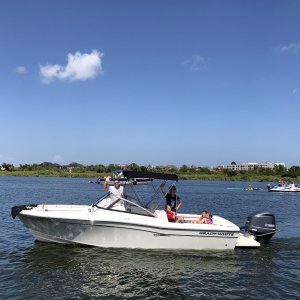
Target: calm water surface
[31,270]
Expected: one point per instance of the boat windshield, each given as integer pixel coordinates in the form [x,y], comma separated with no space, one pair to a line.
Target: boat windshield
[141,199]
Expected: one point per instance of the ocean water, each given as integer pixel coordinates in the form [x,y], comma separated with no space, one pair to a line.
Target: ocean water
[34,270]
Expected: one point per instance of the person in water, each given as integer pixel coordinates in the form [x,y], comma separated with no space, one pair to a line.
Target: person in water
[172,199]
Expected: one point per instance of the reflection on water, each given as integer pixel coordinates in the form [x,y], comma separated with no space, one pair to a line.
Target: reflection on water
[87,272]
[121,272]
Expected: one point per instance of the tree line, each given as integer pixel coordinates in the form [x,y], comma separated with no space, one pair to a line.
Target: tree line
[185,170]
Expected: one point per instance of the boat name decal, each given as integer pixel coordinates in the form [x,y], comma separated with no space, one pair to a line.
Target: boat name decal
[213,233]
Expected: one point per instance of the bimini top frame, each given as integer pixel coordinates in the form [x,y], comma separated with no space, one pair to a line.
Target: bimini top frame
[153,175]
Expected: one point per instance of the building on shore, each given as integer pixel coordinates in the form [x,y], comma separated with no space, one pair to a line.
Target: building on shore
[250,166]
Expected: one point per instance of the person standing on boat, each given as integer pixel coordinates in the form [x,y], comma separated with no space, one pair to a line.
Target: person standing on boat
[172,199]
[116,191]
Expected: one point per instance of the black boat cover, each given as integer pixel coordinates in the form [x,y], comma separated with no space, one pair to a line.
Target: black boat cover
[136,174]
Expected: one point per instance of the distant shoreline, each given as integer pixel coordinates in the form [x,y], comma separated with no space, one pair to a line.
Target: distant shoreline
[181,176]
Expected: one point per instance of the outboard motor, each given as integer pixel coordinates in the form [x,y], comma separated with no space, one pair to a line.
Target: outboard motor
[261,225]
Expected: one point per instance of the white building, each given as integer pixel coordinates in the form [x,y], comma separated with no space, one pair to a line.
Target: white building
[250,166]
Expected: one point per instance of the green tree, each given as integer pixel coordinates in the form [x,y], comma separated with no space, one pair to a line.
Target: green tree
[279,169]
[294,171]
[74,165]
[183,169]
[25,167]
[143,168]
[229,173]
[8,167]
[134,167]
[112,167]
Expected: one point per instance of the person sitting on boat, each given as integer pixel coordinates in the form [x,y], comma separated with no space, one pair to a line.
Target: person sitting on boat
[116,191]
[203,217]
[171,215]
[209,220]
[172,199]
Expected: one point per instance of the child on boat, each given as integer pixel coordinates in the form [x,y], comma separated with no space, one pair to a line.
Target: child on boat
[209,220]
[171,215]
[205,218]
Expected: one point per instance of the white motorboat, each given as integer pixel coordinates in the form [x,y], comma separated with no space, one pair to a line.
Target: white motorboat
[136,223]
[284,188]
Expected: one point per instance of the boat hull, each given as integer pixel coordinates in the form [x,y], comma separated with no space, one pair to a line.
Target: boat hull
[109,233]
[284,190]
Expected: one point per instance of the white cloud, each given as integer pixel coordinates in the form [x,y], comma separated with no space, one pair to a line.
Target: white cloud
[20,70]
[289,48]
[79,67]
[295,91]
[196,63]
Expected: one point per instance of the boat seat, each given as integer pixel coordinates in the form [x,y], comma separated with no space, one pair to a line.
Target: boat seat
[162,215]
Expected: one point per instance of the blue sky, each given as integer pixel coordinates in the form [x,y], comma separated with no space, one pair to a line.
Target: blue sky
[152,82]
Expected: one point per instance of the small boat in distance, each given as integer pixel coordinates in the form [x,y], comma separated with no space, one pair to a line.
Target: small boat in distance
[118,175]
[251,188]
[284,188]
[247,188]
